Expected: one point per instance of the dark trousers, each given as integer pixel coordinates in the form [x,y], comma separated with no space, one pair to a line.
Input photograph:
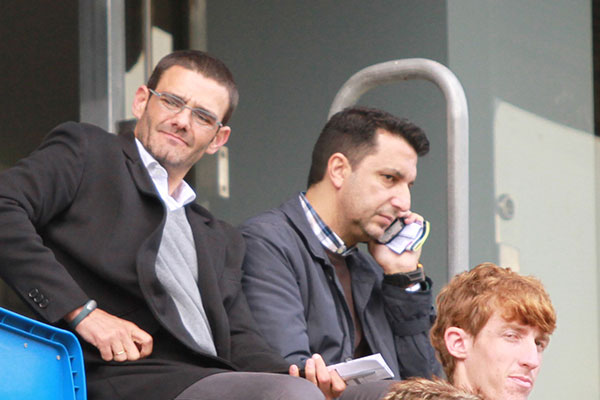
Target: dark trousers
[265,386]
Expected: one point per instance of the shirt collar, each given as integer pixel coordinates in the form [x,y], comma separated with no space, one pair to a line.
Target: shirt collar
[326,236]
[183,195]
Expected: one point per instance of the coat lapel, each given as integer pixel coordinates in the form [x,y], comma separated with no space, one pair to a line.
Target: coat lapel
[295,215]
[136,167]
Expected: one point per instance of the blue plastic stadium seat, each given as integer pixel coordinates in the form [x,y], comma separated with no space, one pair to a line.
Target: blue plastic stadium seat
[38,361]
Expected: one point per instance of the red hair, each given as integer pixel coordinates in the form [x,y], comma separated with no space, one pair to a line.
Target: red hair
[470,299]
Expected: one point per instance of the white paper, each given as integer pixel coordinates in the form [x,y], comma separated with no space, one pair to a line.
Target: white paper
[364,369]
[411,237]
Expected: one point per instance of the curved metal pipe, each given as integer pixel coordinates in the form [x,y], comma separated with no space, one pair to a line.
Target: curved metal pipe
[457,132]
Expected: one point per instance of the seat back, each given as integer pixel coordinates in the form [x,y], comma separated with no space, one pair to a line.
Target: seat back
[39,361]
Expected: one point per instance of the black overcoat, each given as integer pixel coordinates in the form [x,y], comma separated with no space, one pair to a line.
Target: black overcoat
[81,219]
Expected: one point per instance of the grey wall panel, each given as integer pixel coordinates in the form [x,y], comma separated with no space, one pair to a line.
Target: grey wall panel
[290,58]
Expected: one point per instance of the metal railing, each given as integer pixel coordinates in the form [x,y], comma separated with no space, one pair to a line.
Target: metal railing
[457,134]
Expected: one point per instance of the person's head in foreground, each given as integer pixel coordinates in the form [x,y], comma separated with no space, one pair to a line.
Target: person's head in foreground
[426,389]
[491,331]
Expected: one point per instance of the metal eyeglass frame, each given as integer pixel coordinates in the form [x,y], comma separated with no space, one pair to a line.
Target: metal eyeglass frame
[201,111]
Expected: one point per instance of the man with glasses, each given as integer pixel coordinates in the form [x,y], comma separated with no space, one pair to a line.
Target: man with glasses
[100,234]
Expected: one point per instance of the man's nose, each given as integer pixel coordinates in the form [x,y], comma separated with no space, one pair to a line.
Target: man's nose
[401,199]
[183,118]
[530,355]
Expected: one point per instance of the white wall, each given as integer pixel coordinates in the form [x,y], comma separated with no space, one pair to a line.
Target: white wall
[527,70]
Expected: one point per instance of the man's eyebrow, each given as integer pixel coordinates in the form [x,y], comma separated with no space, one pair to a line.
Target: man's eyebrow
[523,329]
[174,95]
[393,171]
[397,173]
[515,326]
[543,337]
[186,101]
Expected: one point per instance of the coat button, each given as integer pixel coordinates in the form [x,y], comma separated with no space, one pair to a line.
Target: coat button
[44,303]
[33,293]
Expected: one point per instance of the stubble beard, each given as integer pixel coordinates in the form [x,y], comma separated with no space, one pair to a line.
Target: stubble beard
[167,157]
[371,231]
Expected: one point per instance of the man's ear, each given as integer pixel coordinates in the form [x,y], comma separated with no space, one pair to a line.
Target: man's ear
[219,140]
[458,342]
[338,169]
[140,100]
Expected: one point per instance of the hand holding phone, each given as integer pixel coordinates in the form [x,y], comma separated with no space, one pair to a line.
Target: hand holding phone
[392,230]
[400,237]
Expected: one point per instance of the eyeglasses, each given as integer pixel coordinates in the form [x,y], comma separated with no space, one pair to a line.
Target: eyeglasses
[200,117]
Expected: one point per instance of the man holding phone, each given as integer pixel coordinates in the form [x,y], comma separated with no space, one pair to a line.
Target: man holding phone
[309,287]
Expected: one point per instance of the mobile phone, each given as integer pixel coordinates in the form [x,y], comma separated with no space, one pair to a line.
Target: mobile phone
[391,231]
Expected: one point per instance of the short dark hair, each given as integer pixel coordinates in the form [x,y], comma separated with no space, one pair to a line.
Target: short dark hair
[199,61]
[352,133]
